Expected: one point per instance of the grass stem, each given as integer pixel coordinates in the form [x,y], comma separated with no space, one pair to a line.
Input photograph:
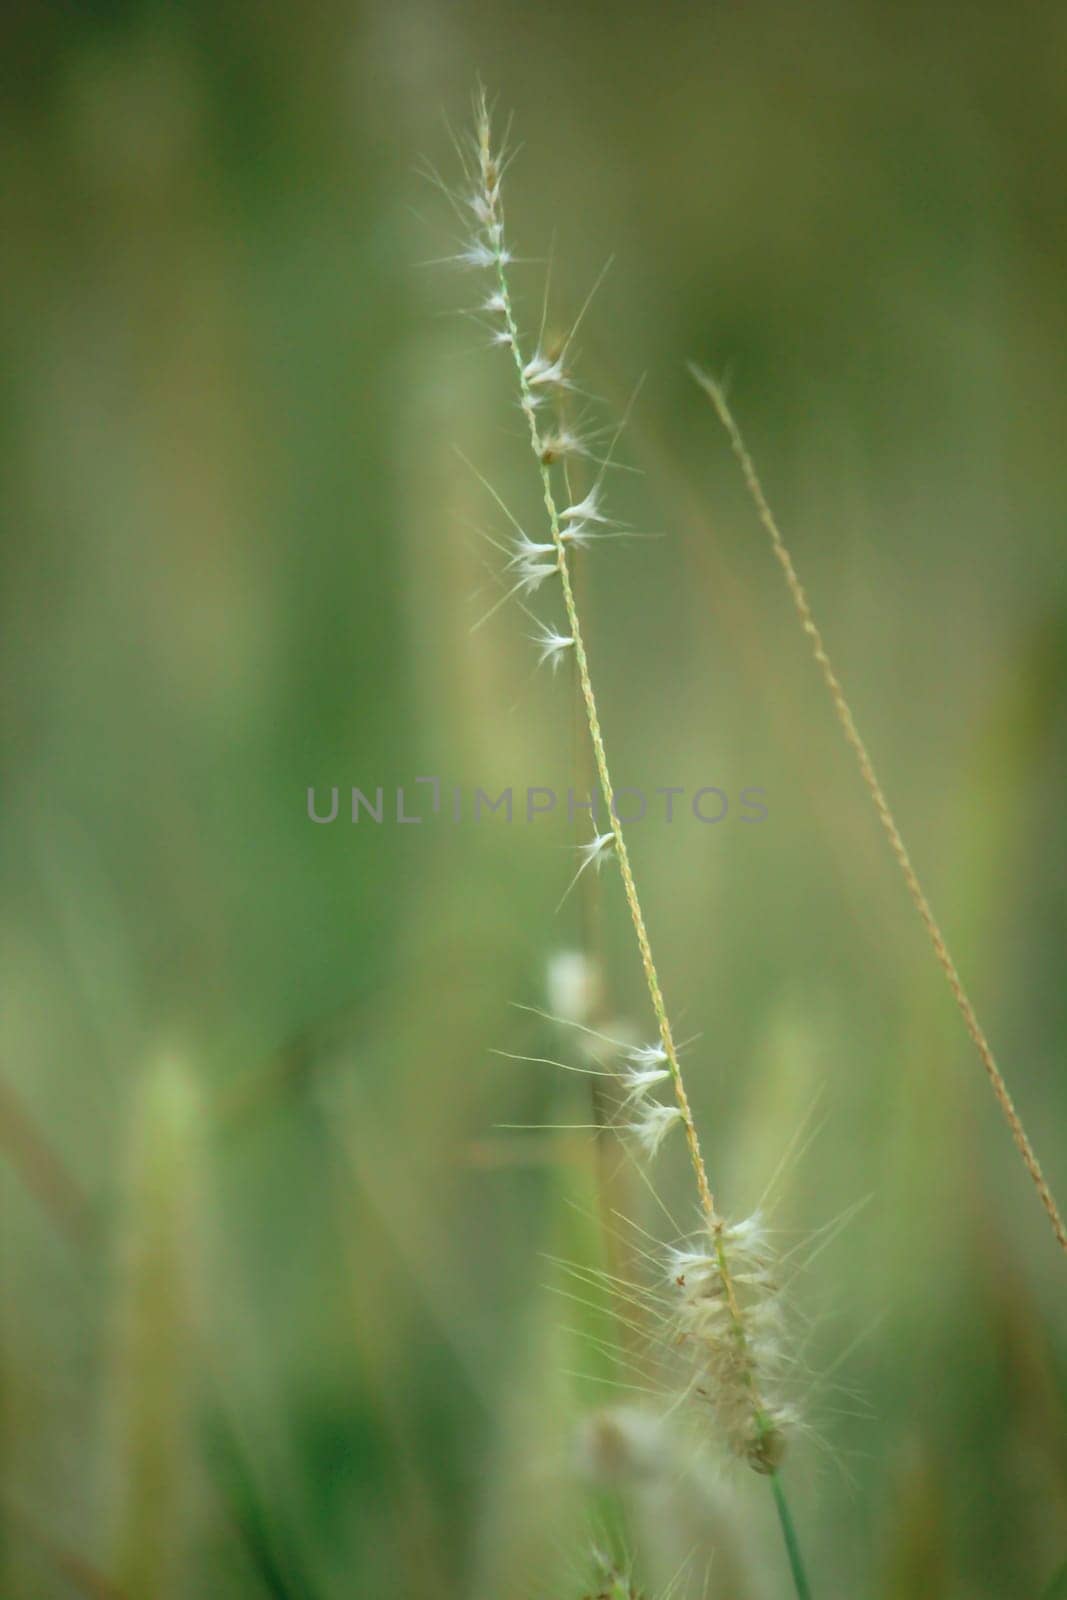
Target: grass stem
[843,713]
[789,1538]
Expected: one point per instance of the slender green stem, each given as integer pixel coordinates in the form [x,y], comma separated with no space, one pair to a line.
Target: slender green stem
[600,756]
[763,1458]
[789,1537]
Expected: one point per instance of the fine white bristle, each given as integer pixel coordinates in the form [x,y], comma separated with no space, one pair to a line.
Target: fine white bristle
[727,1321]
[552,647]
[652,1125]
[586,510]
[647,1055]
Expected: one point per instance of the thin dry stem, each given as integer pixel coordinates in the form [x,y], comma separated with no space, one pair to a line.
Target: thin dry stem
[766,1433]
[597,738]
[762,1445]
[843,712]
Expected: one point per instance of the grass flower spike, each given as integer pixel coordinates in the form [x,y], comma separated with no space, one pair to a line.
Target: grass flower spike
[653,1123]
[552,646]
[744,1374]
[717,1313]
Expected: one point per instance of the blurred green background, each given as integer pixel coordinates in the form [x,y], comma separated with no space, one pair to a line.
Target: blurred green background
[277,1314]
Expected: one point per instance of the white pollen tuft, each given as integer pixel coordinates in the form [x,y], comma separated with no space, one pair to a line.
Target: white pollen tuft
[594,854]
[587,510]
[637,1081]
[727,1322]
[652,1125]
[647,1055]
[552,646]
[525,549]
[562,443]
[542,370]
[477,254]
[532,574]
[597,851]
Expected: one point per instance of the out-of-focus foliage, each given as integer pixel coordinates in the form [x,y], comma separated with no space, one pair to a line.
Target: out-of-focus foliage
[238,561]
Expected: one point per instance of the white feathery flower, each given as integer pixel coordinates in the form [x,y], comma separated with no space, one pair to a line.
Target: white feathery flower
[482,207]
[532,574]
[647,1055]
[543,370]
[586,510]
[653,1124]
[484,253]
[564,442]
[746,1245]
[637,1081]
[597,851]
[728,1321]
[578,534]
[532,563]
[690,1268]
[477,254]
[721,1307]
[583,523]
[551,646]
[593,854]
[645,1065]
[524,549]
[749,1237]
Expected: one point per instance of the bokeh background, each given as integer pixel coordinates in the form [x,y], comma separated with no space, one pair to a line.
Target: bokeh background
[279,1308]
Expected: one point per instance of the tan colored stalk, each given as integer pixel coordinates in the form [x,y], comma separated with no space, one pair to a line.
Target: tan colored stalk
[843,713]
[490,176]
[596,736]
[712,1318]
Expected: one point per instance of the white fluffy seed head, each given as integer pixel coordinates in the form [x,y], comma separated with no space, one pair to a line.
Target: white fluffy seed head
[481,207]
[559,444]
[638,1081]
[727,1324]
[578,534]
[585,510]
[532,574]
[647,1055]
[485,248]
[542,371]
[652,1123]
[552,646]
[477,254]
[525,549]
[532,562]
[597,851]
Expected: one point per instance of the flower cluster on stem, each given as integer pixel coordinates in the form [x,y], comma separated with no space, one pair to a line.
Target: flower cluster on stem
[724,1305]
